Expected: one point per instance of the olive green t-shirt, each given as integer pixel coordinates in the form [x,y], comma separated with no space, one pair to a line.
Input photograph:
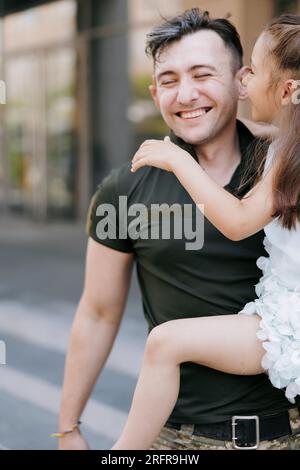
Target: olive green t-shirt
[217,279]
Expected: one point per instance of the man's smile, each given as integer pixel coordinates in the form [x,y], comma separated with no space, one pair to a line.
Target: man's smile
[194,114]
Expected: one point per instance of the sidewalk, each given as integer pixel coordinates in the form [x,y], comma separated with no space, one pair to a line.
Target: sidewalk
[41,276]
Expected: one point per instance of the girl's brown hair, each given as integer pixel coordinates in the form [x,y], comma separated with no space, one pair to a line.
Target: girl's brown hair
[284,33]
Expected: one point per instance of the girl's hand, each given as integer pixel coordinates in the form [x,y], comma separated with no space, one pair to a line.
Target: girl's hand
[160,154]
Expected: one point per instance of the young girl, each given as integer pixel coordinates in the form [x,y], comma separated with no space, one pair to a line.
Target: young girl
[265,336]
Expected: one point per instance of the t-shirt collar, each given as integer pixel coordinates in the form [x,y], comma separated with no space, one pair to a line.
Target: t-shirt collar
[245,139]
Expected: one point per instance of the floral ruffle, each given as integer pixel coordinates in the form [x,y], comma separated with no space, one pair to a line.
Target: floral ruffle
[279,309]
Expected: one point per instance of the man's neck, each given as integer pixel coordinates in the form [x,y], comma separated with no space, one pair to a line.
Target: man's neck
[220,157]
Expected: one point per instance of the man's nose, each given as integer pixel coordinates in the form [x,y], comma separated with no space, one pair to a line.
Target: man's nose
[187,93]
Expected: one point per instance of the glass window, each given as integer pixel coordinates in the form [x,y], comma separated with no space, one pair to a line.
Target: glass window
[37,27]
[60,108]
[40,73]
[145,118]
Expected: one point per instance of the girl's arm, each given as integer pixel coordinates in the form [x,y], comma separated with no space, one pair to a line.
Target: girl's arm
[262,130]
[236,219]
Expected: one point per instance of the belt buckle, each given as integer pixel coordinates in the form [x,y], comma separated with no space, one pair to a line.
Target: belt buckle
[234,437]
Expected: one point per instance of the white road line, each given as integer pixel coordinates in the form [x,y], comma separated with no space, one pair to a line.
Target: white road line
[50,328]
[3,448]
[99,418]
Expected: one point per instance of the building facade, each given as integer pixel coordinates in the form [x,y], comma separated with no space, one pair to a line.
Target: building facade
[77,101]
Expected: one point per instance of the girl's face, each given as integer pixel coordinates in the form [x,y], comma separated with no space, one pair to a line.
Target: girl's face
[260,83]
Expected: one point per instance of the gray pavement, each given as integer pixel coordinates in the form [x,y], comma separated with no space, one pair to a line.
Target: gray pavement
[41,276]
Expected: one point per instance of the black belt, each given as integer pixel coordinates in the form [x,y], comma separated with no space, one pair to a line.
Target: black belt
[244,431]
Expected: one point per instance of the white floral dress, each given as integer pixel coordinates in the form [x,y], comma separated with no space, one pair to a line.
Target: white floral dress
[278,304]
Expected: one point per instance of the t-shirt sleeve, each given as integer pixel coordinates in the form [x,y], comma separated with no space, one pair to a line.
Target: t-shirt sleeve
[103,220]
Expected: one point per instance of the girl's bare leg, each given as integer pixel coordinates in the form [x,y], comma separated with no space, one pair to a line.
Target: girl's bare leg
[227,343]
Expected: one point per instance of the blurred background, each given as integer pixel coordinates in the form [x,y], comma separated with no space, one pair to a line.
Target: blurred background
[77,105]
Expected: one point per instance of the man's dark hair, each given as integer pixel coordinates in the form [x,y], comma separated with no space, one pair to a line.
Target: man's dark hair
[192,21]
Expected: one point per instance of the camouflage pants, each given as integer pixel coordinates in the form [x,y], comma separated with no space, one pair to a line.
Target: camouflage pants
[184,439]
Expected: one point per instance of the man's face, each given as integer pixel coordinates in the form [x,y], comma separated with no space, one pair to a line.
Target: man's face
[195,87]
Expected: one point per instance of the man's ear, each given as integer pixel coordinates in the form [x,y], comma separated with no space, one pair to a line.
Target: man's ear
[153,92]
[241,76]
[289,88]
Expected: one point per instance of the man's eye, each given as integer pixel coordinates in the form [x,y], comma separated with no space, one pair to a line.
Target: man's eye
[168,82]
[203,75]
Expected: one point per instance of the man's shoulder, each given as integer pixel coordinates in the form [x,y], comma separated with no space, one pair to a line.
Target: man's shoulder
[105,203]
[260,130]
[121,181]
[246,131]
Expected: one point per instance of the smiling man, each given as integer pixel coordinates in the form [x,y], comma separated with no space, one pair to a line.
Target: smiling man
[197,83]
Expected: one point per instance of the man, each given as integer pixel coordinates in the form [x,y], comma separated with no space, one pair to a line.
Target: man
[197,83]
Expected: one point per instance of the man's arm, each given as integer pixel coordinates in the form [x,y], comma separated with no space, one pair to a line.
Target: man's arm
[98,317]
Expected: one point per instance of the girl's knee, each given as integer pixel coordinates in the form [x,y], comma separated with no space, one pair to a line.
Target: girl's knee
[159,342]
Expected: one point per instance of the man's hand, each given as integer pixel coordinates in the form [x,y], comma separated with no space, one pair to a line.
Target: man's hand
[160,154]
[73,441]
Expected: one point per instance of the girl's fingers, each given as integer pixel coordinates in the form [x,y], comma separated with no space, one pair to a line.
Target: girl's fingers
[138,164]
[139,154]
[148,142]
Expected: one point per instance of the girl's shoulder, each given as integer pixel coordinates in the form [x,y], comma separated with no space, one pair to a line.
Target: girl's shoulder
[270,157]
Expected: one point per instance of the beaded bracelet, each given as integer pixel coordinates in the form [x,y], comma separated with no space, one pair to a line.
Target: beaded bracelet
[67,431]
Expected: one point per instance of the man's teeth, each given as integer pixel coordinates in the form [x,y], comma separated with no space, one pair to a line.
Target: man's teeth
[194,114]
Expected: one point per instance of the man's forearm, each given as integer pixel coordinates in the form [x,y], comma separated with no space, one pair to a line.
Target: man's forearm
[92,338]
